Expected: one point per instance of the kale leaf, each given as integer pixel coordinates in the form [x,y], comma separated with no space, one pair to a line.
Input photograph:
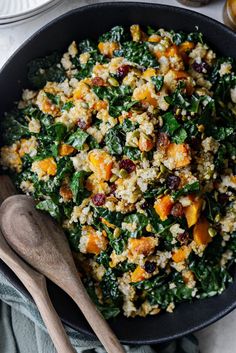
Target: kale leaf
[116,34]
[14,126]
[51,207]
[42,70]
[133,153]
[137,52]
[112,217]
[140,220]
[187,189]
[77,186]
[158,82]
[114,141]
[67,106]
[77,139]
[119,98]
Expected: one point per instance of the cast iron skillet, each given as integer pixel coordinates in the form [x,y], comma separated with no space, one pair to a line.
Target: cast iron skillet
[91,21]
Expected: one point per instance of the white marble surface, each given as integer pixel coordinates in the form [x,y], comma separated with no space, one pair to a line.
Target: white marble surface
[219,337]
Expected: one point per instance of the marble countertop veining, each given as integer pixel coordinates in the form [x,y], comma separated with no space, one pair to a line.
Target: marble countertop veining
[219,337]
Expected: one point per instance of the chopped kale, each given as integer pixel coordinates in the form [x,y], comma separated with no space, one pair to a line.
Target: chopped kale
[137,52]
[46,69]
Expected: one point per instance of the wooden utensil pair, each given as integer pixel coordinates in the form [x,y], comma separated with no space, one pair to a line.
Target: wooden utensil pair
[42,244]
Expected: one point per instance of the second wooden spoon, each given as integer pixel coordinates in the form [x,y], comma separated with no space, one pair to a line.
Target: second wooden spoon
[42,243]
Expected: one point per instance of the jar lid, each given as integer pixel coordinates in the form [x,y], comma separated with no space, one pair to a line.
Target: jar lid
[13,11]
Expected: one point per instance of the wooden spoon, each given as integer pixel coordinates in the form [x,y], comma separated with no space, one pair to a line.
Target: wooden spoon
[34,282]
[42,243]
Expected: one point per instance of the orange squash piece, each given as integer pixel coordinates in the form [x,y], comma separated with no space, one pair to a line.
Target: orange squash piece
[107,48]
[181,254]
[95,185]
[95,244]
[48,166]
[143,245]
[186,47]
[100,105]
[144,94]
[172,51]
[180,153]
[184,50]
[139,274]
[200,232]
[147,74]
[163,206]
[81,90]
[65,150]
[100,163]
[192,212]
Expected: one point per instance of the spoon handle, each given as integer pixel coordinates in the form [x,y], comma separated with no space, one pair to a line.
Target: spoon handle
[34,282]
[99,325]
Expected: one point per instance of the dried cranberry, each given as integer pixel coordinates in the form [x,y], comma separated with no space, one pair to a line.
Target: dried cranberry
[98,81]
[83,125]
[163,140]
[223,198]
[128,165]
[183,237]
[173,181]
[123,71]
[150,266]
[177,210]
[201,68]
[99,199]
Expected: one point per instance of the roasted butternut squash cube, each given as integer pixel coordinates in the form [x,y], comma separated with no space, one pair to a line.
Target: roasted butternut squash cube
[200,232]
[192,212]
[65,150]
[107,48]
[186,47]
[139,274]
[100,163]
[181,254]
[179,155]
[81,90]
[172,51]
[143,245]
[94,243]
[147,74]
[46,166]
[163,206]
[145,94]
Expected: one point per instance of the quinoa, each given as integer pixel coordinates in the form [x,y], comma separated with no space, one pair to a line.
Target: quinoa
[129,143]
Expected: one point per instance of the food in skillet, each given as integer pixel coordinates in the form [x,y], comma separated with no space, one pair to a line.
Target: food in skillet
[130,144]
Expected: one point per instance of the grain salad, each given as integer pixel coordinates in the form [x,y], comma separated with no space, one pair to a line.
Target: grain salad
[129,143]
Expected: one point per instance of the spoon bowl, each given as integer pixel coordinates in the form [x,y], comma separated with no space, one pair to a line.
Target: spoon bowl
[42,244]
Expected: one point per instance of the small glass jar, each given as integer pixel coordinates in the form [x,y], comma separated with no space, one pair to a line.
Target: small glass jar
[194,3]
[229,14]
